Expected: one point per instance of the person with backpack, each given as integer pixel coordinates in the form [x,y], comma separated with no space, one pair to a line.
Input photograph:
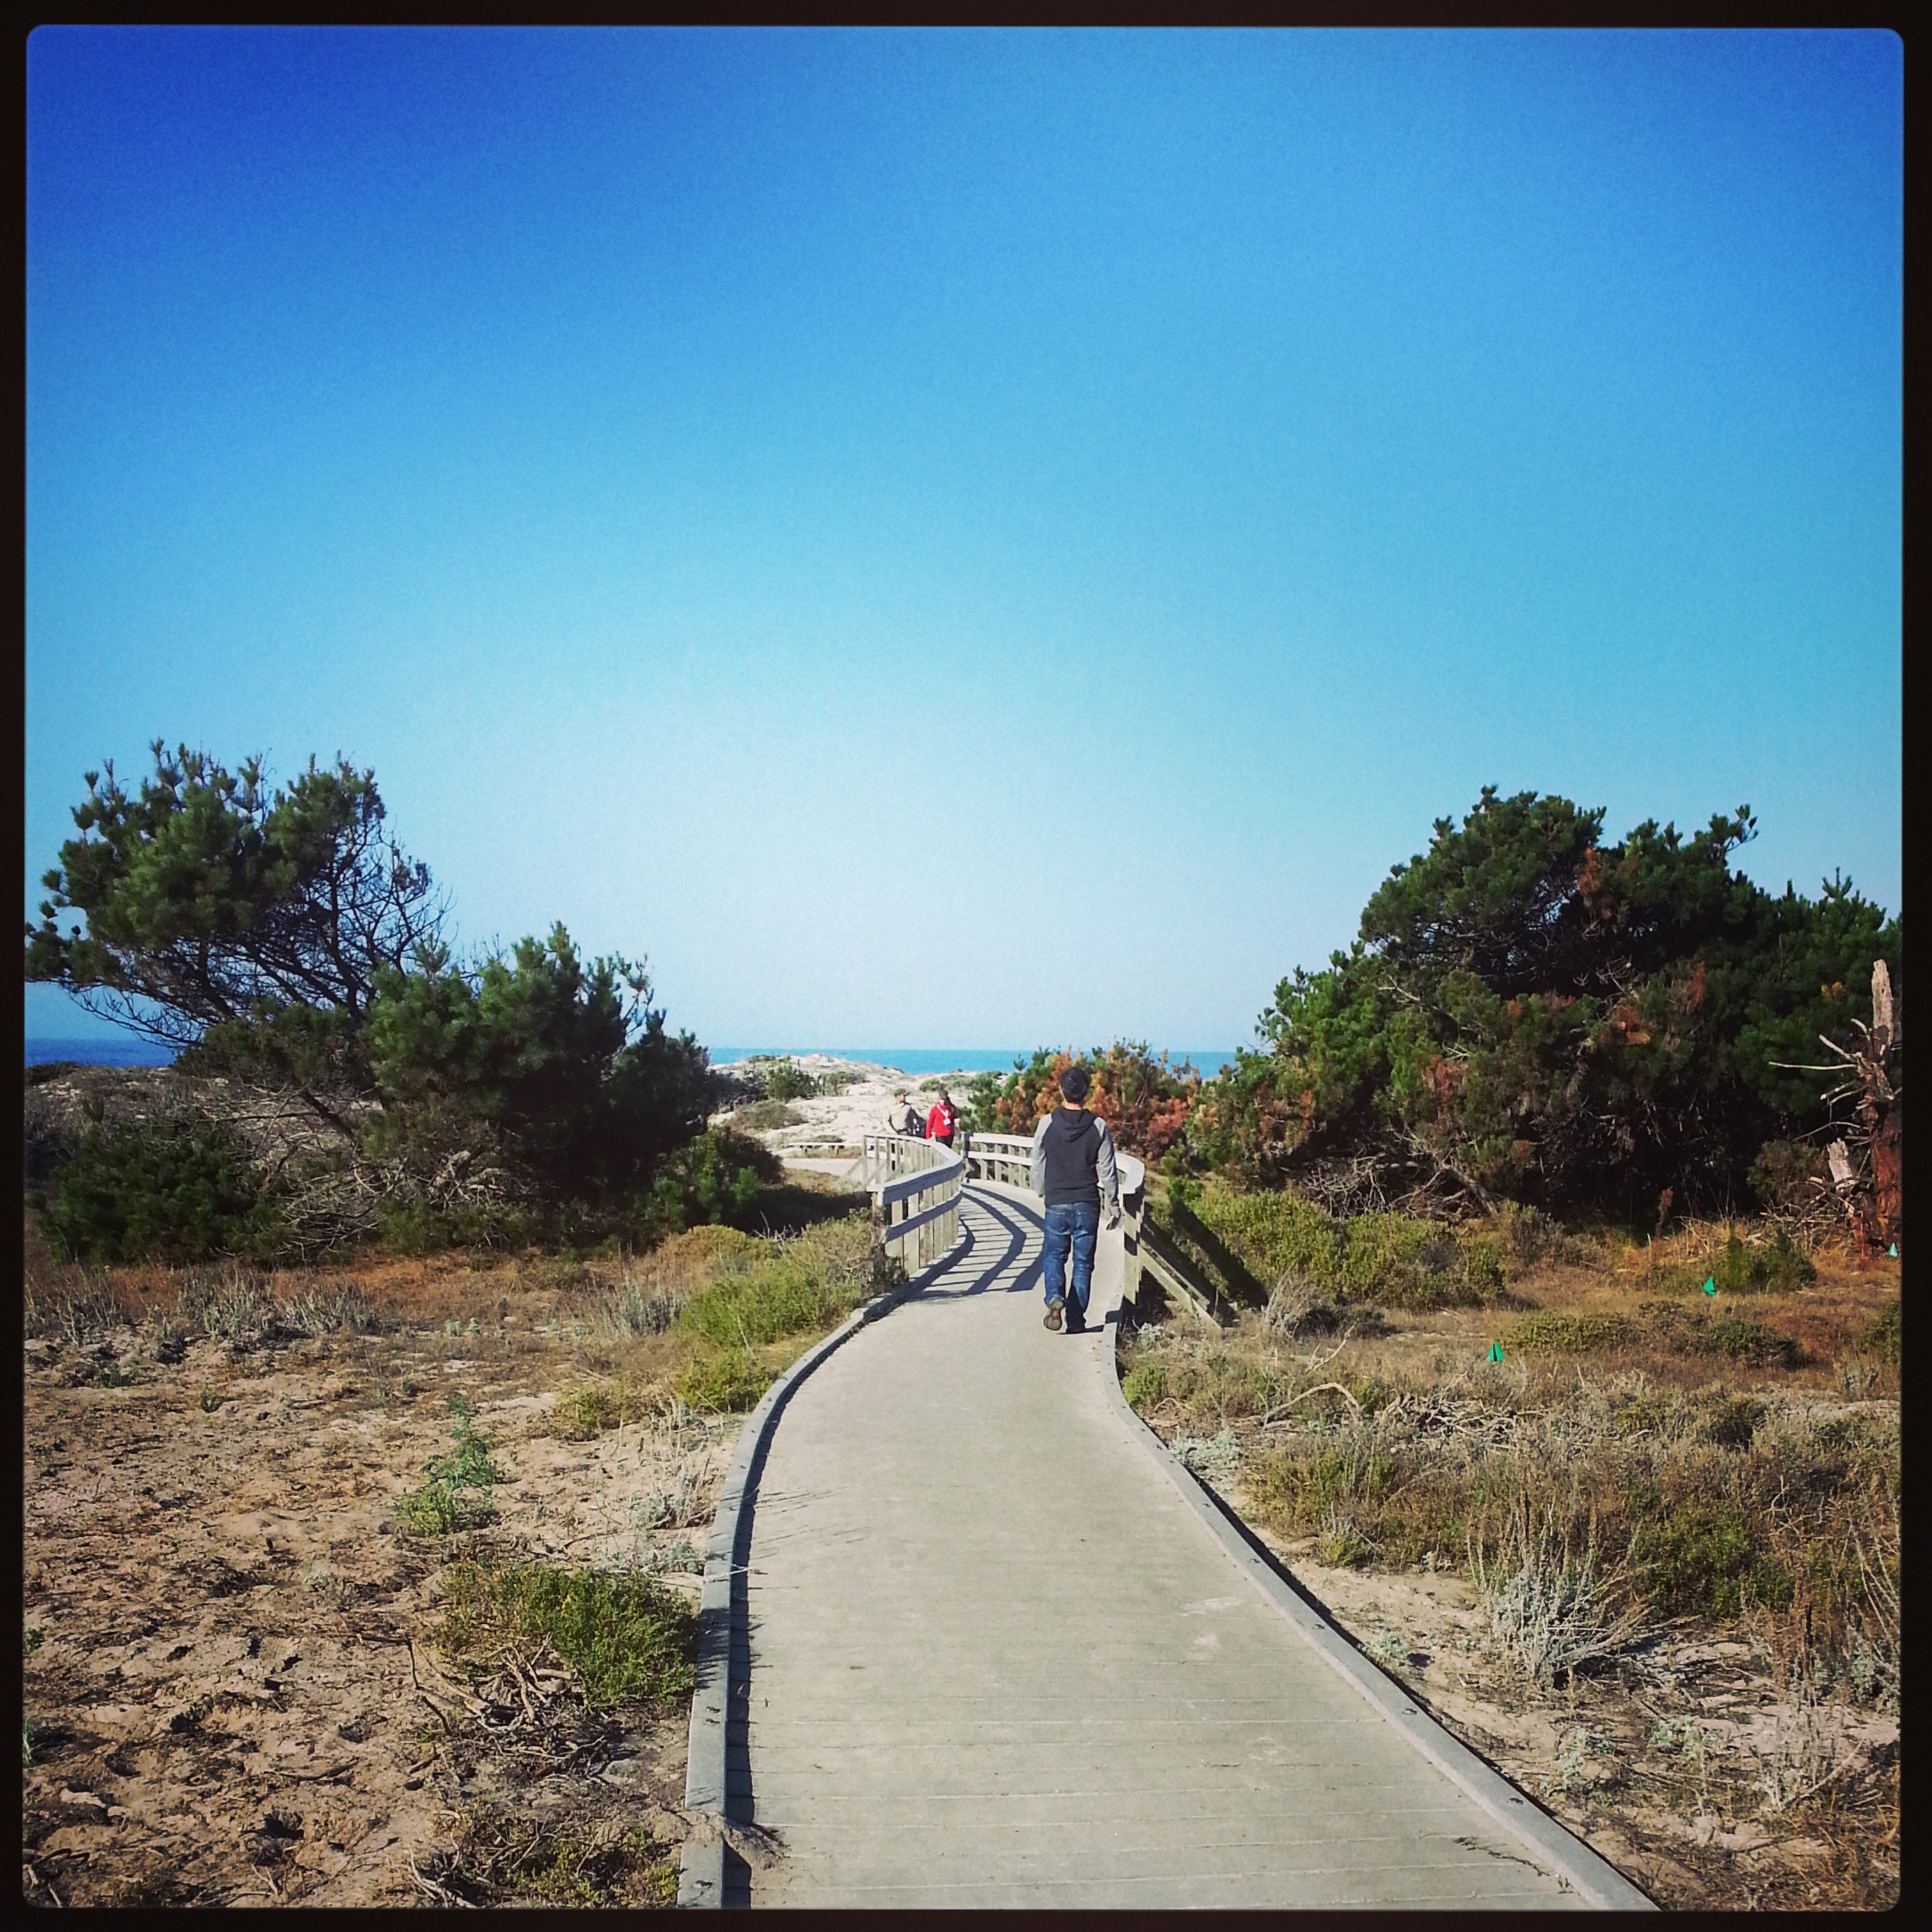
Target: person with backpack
[1074,1172]
[943,1123]
[903,1116]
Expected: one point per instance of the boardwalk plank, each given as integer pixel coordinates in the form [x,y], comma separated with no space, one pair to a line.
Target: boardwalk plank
[995,1661]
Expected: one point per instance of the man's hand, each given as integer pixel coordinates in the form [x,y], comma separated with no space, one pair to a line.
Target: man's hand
[1114,1218]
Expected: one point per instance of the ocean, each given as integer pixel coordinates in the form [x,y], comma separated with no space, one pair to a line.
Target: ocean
[125,1051]
[130,1051]
[942,1059]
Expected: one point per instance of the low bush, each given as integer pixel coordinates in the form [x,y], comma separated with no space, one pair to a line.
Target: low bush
[786,1080]
[1550,1334]
[762,1116]
[1390,1260]
[1882,1337]
[787,1287]
[174,1187]
[1689,1330]
[461,1486]
[1777,1266]
[1143,1385]
[715,1177]
[724,1383]
[628,1637]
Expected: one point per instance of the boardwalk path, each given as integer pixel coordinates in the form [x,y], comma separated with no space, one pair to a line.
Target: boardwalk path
[996,1660]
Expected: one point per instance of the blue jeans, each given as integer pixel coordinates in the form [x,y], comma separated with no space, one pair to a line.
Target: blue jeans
[1075,1224]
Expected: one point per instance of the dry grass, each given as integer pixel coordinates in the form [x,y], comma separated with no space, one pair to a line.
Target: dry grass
[239,1580]
[1637,1463]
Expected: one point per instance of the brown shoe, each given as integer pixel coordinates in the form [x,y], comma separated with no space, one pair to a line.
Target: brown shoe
[1053,1311]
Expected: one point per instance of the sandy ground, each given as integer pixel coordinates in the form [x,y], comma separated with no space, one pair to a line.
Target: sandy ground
[843,1120]
[236,1692]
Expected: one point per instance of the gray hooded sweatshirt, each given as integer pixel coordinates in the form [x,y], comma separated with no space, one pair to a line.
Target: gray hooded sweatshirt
[1074,1160]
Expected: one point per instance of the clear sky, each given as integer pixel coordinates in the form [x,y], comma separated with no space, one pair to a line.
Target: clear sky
[969,537]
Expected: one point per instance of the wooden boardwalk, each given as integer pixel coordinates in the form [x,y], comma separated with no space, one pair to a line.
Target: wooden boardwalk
[996,1658]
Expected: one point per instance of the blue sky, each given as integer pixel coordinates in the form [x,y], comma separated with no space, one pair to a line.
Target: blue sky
[976,537]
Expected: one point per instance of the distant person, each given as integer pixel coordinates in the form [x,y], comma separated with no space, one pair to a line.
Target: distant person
[1073,1170]
[943,1123]
[904,1115]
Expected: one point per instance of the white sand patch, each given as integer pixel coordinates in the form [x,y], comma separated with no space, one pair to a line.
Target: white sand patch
[839,1120]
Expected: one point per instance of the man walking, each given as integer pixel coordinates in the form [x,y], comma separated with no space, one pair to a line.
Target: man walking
[1074,1169]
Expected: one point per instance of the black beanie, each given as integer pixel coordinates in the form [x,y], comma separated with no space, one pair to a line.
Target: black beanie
[1075,1083]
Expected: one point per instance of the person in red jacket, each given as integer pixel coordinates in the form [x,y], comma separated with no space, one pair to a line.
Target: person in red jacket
[943,1123]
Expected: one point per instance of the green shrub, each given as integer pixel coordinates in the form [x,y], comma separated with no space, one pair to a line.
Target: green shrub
[715,1177]
[779,1297]
[1742,1340]
[724,1383]
[588,1412]
[1697,1557]
[1779,1266]
[1734,1421]
[762,1116]
[461,1487]
[1277,1233]
[626,1636]
[1549,1333]
[1693,1332]
[1387,1259]
[421,1227]
[1143,1385]
[175,1187]
[1882,1337]
[787,1081]
[1482,1266]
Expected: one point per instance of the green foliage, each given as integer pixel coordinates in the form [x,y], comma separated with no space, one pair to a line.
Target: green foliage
[629,1637]
[461,1485]
[1143,1385]
[282,938]
[762,1116]
[175,1187]
[981,1112]
[1789,1177]
[222,903]
[789,1293]
[1882,1336]
[1700,1557]
[586,1412]
[412,1226]
[1528,1014]
[1778,1266]
[787,1081]
[715,1177]
[536,1062]
[1546,1333]
[1282,1236]
[726,1381]
[1691,1331]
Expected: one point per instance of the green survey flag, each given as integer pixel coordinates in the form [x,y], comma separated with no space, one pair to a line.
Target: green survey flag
[1710,1284]
[1893,1251]
[1495,1352]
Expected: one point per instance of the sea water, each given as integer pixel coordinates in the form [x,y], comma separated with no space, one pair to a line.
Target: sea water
[941,1059]
[131,1051]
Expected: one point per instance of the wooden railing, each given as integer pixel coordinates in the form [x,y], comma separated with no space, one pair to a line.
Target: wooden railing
[1008,1158]
[915,1186]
